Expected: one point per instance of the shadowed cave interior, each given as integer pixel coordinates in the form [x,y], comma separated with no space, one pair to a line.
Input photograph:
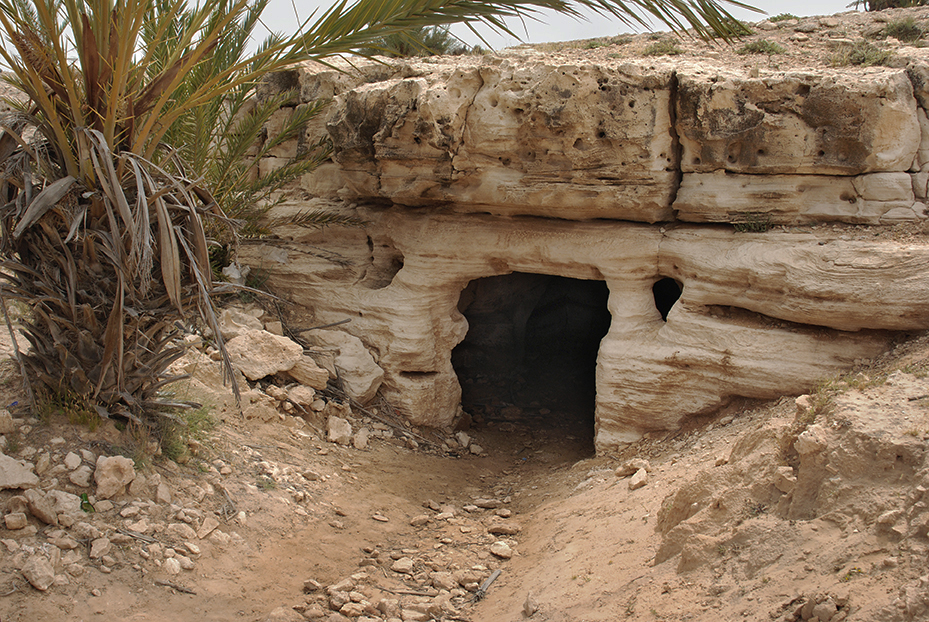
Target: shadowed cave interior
[528,362]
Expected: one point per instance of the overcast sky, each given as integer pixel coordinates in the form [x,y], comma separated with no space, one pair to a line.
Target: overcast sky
[280,16]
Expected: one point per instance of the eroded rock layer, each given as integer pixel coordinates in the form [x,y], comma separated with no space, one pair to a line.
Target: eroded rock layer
[743,190]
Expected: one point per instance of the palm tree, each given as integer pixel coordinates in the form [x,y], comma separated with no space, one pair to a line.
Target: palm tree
[124,153]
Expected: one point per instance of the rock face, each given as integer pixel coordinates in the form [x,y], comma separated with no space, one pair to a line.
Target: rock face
[632,173]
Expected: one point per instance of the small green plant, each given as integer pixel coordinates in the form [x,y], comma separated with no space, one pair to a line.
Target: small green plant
[782,17]
[593,45]
[75,407]
[175,433]
[738,28]
[906,30]
[754,509]
[614,55]
[722,550]
[662,48]
[752,222]
[266,483]
[851,574]
[762,46]
[13,443]
[861,54]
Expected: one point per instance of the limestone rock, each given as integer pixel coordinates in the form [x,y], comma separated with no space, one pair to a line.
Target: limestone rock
[360,439]
[72,461]
[171,566]
[112,475]
[764,200]
[501,549]
[638,480]
[307,372]
[284,614]
[631,467]
[404,565]
[41,506]
[15,520]
[784,479]
[301,395]
[13,474]
[7,426]
[258,353]
[233,322]
[339,431]
[81,476]
[811,440]
[99,548]
[39,572]
[773,126]
[360,375]
[577,142]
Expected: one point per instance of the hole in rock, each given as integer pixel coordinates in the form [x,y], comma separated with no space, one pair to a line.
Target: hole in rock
[666,291]
[527,365]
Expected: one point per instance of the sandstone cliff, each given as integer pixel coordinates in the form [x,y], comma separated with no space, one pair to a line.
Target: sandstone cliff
[787,204]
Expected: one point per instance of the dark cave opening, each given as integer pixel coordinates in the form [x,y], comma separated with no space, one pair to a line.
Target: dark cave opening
[666,291]
[528,362]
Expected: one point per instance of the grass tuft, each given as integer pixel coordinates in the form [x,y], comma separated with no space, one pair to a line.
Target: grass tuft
[861,54]
[662,48]
[762,46]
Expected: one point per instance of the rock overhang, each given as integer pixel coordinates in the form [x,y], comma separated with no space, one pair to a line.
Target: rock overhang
[491,166]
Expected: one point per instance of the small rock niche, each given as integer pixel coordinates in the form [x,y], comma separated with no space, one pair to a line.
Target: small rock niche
[530,354]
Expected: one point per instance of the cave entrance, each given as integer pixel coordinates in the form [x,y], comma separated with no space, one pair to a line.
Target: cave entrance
[528,362]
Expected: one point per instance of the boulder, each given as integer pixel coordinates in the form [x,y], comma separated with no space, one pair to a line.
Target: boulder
[15,474]
[234,322]
[41,506]
[7,425]
[112,475]
[307,372]
[360,374]
[338,430]
[258,353]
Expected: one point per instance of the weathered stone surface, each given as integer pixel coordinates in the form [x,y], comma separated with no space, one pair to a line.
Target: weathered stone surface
[360,374]
[258,353]
[301,395]
[795,199]
[234,322]
[524,137]
[39,572]
[823,123]
[14,475]
[112,475]
[7,426]
[638,480]
[307,372]
[41,506]
[513,137]
[338,430]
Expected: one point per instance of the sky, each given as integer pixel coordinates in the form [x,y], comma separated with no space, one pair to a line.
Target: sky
[280,16]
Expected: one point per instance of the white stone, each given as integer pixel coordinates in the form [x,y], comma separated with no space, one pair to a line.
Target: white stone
[81,476]
[308,373]
[360,439]
[171,566]
[404,565]
[501,549]
[360,375]
[638,480]
[7,425]
[302,395]
[112,475]
[233,322]
[14,474]
[338,430]
[72,461]
[784,479]
[258,353]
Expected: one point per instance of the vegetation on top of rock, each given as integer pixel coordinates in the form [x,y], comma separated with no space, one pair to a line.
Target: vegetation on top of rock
[782,17]
[880,5]
[906,30]
[662,48]
[762,46]
[861,53]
